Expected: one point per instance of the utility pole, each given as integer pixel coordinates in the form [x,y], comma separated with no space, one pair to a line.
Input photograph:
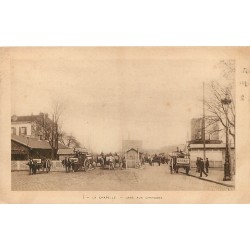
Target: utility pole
[52,139]
[203,125]
[44,126]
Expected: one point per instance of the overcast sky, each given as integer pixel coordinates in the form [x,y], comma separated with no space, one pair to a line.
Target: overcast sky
[113,94]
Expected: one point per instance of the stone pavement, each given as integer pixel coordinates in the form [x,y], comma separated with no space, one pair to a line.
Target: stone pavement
[215,176]
[148,178]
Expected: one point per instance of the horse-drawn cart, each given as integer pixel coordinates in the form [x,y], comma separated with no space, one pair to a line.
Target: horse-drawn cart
[80,162]
[180,160]
[41,165]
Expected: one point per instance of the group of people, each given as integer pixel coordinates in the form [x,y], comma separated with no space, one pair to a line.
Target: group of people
[34,166]
[201,166]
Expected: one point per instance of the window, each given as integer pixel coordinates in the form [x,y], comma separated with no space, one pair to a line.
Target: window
[22,131]
[13,131]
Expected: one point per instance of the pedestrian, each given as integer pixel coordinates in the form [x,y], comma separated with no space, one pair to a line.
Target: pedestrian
[202,167]
[198,165]
[31,166]
[171,165]
[64,162]
[207,165]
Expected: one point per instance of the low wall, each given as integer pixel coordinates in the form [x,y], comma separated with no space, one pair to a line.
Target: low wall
[212,164]
[22,165]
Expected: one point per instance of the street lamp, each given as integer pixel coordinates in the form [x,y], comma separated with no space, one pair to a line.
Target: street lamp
[227,166]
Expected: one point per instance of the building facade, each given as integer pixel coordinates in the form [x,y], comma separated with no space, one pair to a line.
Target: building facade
[23,148]
[132,158]
[214,147]
[197,131]
[32,125]
[214,152]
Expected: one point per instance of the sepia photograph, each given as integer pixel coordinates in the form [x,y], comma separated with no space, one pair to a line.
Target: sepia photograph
[122,119]
[125,121]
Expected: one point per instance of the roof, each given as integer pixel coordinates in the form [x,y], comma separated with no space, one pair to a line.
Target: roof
[33,143]
[30,118]
[81,150]
[209,146]
[131,150]
[66,151]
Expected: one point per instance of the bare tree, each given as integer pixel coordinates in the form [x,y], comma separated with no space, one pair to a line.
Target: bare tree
[71,141]
[56,128]
[219,89]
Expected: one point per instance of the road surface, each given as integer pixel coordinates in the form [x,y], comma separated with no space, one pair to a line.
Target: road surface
[149,178]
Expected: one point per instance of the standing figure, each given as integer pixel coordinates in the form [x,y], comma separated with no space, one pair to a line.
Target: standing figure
[171,165]
[64,163]
[207,165]
[31,166]
[198,165]
[202,167]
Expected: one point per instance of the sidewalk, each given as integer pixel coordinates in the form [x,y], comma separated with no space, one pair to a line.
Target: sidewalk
[214,175]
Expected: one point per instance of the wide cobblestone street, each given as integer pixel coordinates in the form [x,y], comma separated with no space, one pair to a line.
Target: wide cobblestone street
[148,178]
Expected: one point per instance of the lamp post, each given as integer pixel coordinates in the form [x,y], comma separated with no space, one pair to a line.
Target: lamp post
[227,166]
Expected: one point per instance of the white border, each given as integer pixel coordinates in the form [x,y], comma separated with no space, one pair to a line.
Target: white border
[124,23]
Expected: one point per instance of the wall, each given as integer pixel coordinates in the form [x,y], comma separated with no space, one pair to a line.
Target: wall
[131,158]
[22,165]
[22,124]
[216,157]
[18,151]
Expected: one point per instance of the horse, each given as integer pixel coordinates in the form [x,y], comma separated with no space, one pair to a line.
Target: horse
[91,161]
[110,161]
[99,160]
[157,159]
[149,160]
[117,160]
[67,164]
[142,159]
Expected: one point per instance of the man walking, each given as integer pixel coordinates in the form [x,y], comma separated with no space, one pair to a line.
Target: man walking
[171,165]
[198,165]
[202,168]
[207,165]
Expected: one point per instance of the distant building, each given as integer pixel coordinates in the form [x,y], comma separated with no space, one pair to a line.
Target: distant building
[31,125]
[197,133]
[70,152]
[214,147]
[132,158]
[128,144]
[65,152]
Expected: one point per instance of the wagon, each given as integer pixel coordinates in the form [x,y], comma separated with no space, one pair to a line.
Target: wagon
[181,160]
[81,162]
[42,165]
[156,159]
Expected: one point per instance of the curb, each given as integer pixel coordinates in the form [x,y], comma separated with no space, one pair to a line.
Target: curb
[201,178]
